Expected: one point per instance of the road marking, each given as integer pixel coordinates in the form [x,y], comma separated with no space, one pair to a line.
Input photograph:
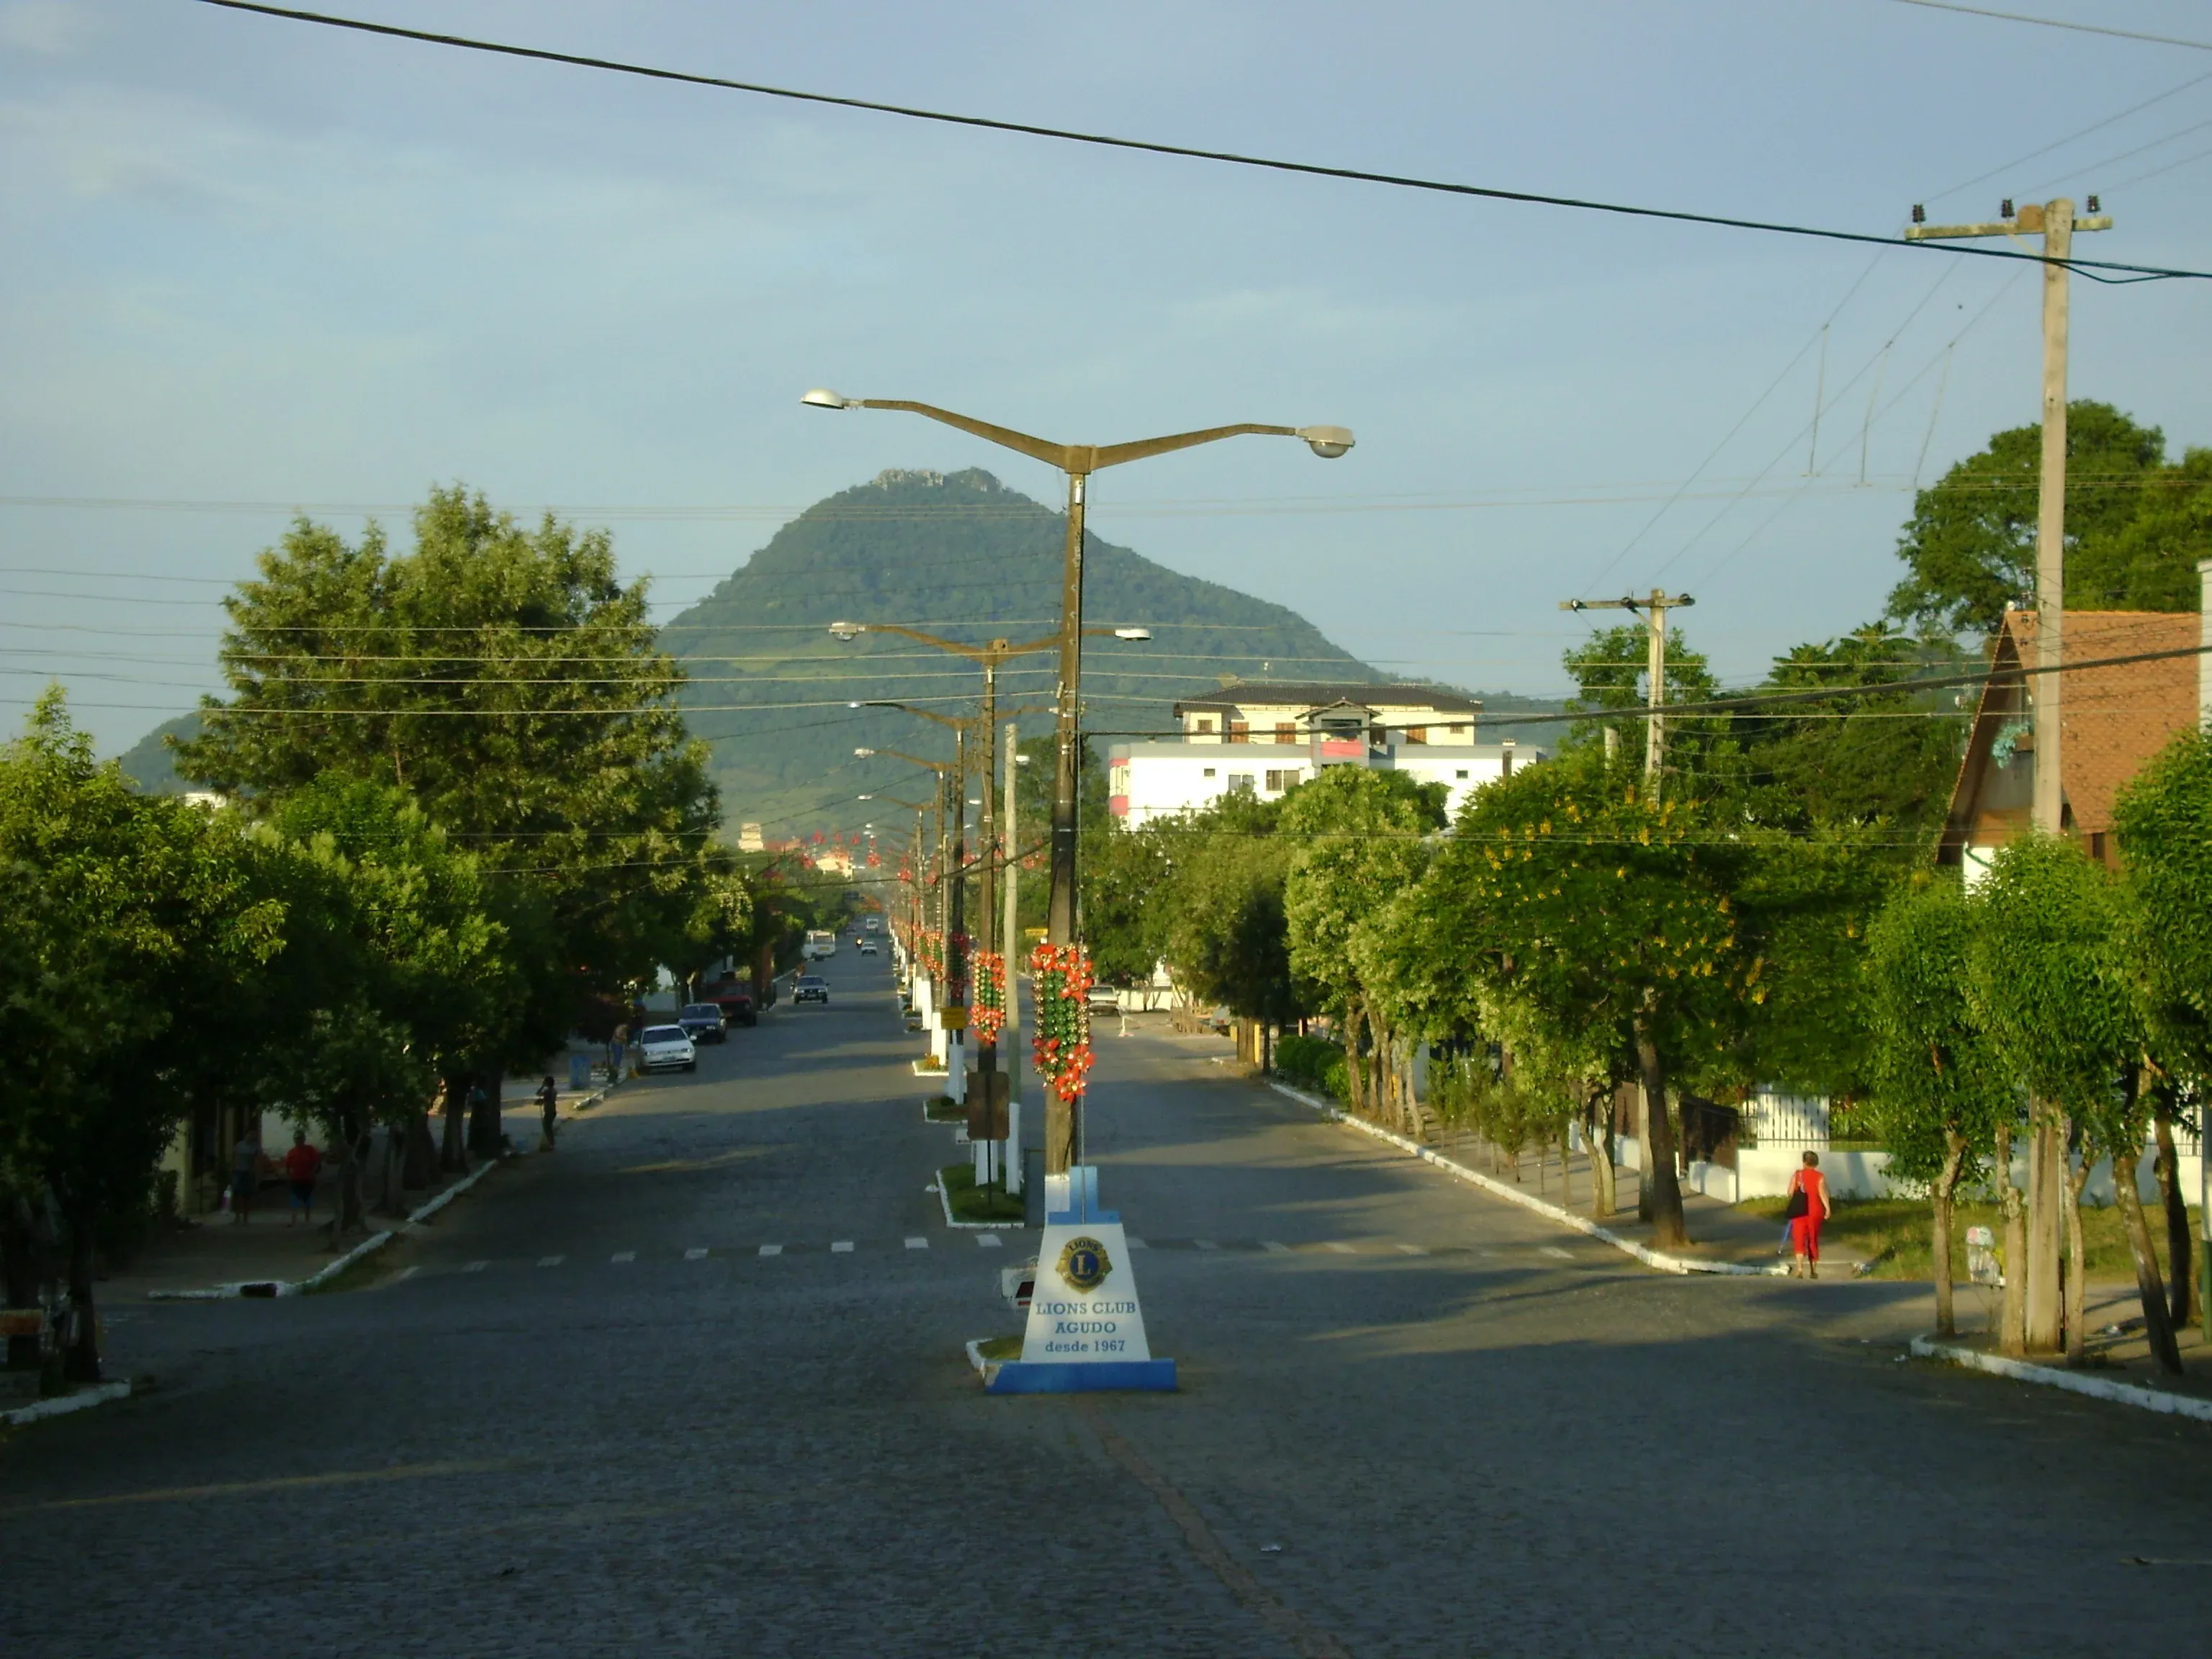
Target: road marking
[405,1274]
[551,1261]
[1204,1244]
[1270,1244]
[1340,1247]
[771,1249]
[475,1267]
[1554,1250]
[1412,1250]
[842,1247]
[286,1483]
[1136,1243]
[986,1241]
[625,1256]
[695,1255]
[917,1243]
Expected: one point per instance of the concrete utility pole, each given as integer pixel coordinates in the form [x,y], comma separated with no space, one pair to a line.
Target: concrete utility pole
[2055,220]
[1654,608]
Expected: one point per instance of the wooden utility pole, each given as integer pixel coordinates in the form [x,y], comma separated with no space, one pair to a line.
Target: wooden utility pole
[1010,948]
[2055,220]
[1654,608]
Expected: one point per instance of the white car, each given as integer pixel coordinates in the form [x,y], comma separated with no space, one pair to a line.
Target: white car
[868,948]
[662,1047]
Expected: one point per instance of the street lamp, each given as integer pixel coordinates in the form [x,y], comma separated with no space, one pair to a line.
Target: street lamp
[1078,462]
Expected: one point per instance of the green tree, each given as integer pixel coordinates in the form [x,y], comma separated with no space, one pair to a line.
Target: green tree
[1943,1100]
[1220,914]
[1969,544]
[1609,673]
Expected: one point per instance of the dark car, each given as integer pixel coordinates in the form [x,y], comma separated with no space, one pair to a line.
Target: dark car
[737,1006]
[702,1022]
[810,987]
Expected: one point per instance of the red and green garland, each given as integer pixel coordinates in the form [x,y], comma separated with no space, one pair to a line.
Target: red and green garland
[1062,1048]
[988,1014]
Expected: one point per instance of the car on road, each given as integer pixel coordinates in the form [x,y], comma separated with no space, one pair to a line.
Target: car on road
[737,1006]
[1103,1000]
[702,1021]
[666,1048]
[870,948]
[810,987]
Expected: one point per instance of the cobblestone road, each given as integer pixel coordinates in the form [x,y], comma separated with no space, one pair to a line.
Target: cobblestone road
[591,1413]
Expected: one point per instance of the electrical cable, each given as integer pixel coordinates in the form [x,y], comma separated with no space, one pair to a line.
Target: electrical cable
[2088,268]
[2042,22]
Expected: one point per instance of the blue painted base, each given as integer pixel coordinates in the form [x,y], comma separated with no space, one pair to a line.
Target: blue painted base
[1061,1376]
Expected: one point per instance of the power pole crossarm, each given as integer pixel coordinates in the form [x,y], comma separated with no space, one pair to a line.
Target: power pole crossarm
[1655,605]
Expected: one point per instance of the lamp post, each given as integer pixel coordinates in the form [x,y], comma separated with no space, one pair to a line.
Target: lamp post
[1078,462]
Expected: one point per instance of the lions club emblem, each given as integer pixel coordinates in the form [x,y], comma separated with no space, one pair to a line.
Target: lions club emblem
[1084,1264]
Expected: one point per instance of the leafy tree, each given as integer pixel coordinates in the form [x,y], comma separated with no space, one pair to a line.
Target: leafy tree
[1943,1097]
[1121,871]
[1609,673]
[1970,545]
[1220,910]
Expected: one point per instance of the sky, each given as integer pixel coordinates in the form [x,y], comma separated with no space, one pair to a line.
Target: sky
[256,267]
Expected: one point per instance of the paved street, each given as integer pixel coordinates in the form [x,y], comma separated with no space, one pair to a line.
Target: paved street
[693,1385]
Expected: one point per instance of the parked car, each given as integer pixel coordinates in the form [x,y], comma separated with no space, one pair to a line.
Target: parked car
[810,987]
[662,1048]
[702,1022]
[869,948]
[737,1006]
[1103,1000]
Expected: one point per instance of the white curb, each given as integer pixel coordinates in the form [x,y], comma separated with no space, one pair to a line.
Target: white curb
[2050,1376]
[944,1203]
[1662,1260]
[360,1252]
[62,1404]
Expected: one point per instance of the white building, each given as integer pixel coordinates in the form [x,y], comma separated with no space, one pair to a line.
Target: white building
[1268,737]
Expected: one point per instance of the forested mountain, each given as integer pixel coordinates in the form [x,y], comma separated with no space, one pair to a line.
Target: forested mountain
[966,557]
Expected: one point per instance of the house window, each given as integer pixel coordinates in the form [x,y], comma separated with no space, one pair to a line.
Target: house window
[1209,771]
[1240,780]
[1239,731]
[1204,723]
[1461,774]
[1285,731]
[1285,779]
[1417,734]
[1455,730]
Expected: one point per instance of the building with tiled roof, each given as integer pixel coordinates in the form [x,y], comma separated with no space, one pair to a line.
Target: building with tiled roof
[2112,720]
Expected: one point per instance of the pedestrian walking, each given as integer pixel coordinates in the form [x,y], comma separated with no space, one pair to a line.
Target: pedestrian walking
[616,1049]
[549,1110]
[1808,1208]
[244,1175]
[301,1165]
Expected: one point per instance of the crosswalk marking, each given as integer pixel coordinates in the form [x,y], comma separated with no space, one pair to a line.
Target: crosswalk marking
[1269,1244]
[771,1249]
[1204,1244]
[917,1243]
[475,1267]
[407,1274]
[986,1241]
[1554,1249]
[1138,1244]
[1341,1247]
[695,1255]
[551,1261]
[842,1247]
[625,1256]
[1412,1250]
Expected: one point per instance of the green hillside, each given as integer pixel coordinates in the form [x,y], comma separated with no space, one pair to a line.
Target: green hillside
[966,557]
[152,765]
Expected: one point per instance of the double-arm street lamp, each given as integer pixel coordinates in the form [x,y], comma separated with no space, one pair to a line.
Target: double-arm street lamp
[1078,462]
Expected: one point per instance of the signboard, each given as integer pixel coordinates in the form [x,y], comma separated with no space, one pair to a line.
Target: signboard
[952,1016]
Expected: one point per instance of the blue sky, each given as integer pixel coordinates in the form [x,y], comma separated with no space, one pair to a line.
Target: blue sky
[254,264]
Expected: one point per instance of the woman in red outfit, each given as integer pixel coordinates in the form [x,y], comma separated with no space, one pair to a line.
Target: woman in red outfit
[1805,1230]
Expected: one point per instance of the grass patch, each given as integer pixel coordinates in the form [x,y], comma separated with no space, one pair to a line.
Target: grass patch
[943,1108]
[1895,1234]
[1001,1348]
[972,1203]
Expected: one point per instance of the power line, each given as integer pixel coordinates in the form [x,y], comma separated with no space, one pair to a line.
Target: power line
[2060,143]
[2088,268]
[2012,17]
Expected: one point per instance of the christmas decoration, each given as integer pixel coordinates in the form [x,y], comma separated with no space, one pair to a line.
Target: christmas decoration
[1061,975]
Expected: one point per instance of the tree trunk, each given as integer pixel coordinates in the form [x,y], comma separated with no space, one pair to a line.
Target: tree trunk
[2157,1322]
[2046,1180]
[351,1147]
[453,1154]
[2012,1335]
[390,1186]
[421,1169]
[2180,1247]
[1940,1194]
[1355,1073]
[2075,1292]
[483,1119]
[1597,1141]
[19,1272]
[81,1360]
[1661,1194]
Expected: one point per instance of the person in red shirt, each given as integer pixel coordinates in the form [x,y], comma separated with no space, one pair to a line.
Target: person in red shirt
[301,1165]
[1805,1229]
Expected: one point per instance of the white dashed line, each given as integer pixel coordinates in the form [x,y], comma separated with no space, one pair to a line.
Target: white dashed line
[1204,1244]
[1340,1247]
[1554,1250]
[917,1243]
[1139,1244]
[551,1261]
[1269,1244]
[771,1249]
[986,1241]
[842,1247]
[475,1267]
[625,1256]
[695,1255]
[1412,1250]
[406,1275]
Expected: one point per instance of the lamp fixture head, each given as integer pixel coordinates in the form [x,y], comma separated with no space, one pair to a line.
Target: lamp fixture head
[864,753]
[846,630]
[821,397]
[1919,214]
[2004,209]
[1133,633]
[1327,441]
